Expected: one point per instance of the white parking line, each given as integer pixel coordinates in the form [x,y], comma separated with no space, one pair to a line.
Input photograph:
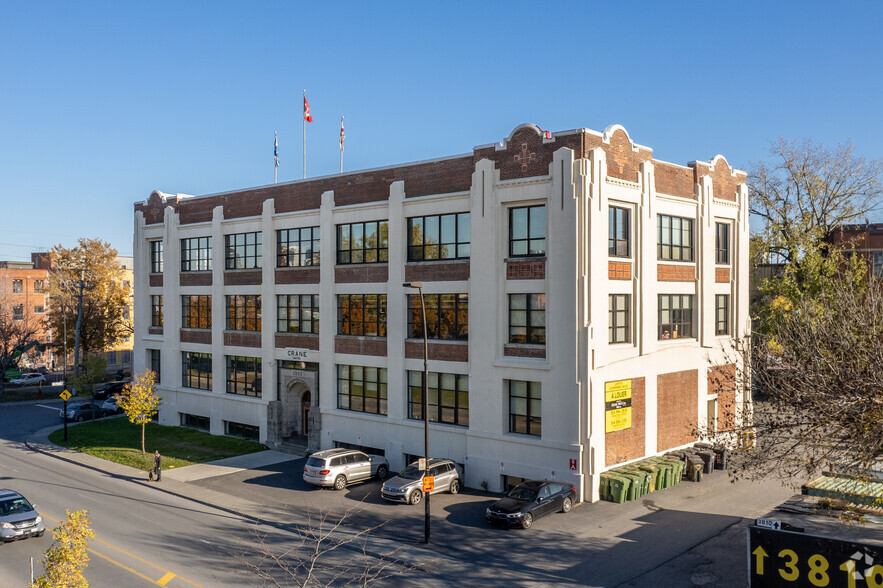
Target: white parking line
[49,407]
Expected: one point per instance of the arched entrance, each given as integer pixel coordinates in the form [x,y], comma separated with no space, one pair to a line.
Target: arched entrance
[295,409]
[305,415]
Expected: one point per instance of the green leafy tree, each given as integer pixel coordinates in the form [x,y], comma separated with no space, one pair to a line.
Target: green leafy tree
[105,321]
[16,336]
[139,401]
[64,562]
[94,372]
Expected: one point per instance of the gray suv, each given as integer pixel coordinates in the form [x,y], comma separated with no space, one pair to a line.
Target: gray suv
[18,519]
[339,467]
[407,486]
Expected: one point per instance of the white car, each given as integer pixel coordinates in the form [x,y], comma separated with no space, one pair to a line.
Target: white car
[110,406]
[28,380]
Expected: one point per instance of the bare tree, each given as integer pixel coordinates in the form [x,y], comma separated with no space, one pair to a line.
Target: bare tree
[325,552]
[18,332]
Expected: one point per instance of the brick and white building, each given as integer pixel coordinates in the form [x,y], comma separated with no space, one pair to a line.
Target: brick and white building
[554,268]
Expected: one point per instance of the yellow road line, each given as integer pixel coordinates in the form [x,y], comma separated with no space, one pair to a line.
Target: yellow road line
[161,582]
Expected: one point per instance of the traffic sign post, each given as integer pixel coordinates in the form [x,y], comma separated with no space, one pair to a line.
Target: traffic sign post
[64,396]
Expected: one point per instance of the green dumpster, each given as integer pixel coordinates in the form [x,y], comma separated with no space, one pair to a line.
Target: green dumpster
[654,470]
[619,488]
[643,476]
[604,487]
[635,484]
[666,472]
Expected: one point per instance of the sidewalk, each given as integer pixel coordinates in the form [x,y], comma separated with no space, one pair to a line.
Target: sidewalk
[176,482]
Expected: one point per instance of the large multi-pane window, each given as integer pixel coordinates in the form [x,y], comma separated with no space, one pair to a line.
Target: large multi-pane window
[193,421]
[196,370]
[243,250]
[363,242]
[447,316]
[39,286]
[297,313]
[441,236]
[196,254]
[527,318]
[244,312]
[527,231]
[153,360]
[721,243]
[18,312]
[619,326]
[244,375]
[722,314]
[156,312]
[17,287]
[298,247]
[361,314]
[525,407]
[156,257]
[675,316]
[618,231]
[242,430]
[196,312]
[361,388]
[448,398]
[674,238]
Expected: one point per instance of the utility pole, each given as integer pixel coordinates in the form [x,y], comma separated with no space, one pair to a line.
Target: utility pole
[81,285]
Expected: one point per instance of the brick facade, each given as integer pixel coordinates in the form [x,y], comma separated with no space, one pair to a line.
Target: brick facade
[515,350]
[619,270]
[360,345]
[195,278]
[438,350]
[299,340]
[242,338]
[677,408]
[156,280]
[675,273]
[297,275]
[251,277]
[437,271]
[196,336]
[721,274]
[361,274]
[722,381]
[531,268]
[631,443]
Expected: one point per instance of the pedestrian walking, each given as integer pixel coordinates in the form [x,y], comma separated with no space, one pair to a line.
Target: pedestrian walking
[157,466]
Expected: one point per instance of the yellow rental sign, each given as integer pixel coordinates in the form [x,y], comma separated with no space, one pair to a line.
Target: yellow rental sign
[617,405]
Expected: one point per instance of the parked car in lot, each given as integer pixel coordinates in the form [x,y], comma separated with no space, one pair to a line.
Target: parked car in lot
[338,468]
[82,412]
[18,519]
[111,406]
[31,379]
[529,501]
[407,486]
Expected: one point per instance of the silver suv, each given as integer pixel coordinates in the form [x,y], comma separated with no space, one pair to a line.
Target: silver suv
[407,486]
[339,467]
[18,519]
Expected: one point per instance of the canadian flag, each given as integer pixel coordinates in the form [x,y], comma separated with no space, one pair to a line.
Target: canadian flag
[307,116]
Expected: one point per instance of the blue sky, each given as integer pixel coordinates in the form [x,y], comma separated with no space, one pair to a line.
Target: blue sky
[104,102]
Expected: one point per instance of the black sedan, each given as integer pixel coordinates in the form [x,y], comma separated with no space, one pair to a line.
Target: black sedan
[529,501]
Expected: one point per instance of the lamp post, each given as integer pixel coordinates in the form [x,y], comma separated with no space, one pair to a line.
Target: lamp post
[64,331]
[419,286]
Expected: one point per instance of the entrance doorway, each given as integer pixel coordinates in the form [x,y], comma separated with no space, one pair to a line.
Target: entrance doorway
[305,415]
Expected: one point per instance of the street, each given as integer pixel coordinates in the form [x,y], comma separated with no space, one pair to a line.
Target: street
[178,533]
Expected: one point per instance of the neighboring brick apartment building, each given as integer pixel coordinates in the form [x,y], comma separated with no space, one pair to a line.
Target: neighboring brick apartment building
[576,290]
[863,239]
[23,293]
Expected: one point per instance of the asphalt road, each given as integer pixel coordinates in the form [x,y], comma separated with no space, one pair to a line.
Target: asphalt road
[147,536]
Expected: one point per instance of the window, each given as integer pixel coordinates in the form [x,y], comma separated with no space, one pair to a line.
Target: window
[674,238]
[527,318]
[153,361]
[527,231]
[156,317]
[111,358]
[444,236]
[525,404]
[619,225]
[39,286]
[619,326]
[675,316]
[18,312]
[193,421]
[297,313]
[243,251]
[244,313]
[196,370]
[126,311]
[17,286]
[721,243]
[362,389]
[156,257]
[39,310]
[878,263]
[127,356]
[196,312]
[448,400]
[196,254]
[244,375]
[298,247]
[242,430]
[363,242]
[447,316]
[361,314]
[722,314]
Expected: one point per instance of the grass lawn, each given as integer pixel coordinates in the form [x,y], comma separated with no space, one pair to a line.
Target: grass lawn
[116,439]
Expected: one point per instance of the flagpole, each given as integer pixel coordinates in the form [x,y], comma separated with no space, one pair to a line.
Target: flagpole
[275,157]
[341,144]
[305,137]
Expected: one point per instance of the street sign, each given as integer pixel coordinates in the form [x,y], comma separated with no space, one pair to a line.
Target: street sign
[770,524]
[428,483]
[777,558]
[65,395]
[421,464]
